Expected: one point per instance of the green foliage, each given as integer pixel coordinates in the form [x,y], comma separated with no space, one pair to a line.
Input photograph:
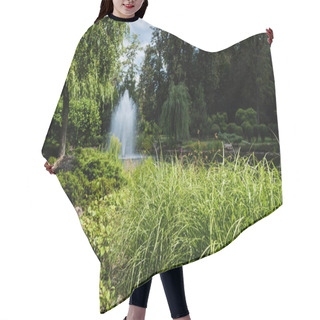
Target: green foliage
[255,130]
[171,214]
[198,146]
[96,174]
[51,144]
[247,129]
[214,145]
[57,117]
[220,119]
[84,122]
[174,118]
[249,115]
[145,126]
[215,128]
[148,134]
[238,130]
[200,120]
[50,148]
[263,131]
[115,148]
[234,128]
[145,142]
[52,160]
[75,185]
[95,164]
[273,131]
[171,143]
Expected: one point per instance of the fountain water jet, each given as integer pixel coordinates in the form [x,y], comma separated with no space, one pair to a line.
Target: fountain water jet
[123,126]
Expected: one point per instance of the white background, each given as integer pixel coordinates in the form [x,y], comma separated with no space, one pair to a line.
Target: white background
[48,269]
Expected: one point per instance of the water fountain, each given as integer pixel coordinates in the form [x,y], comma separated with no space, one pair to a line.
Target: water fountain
[124,127]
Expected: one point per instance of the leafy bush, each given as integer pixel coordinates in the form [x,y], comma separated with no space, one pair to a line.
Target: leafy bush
[96,174]
[52,160]
[234,128]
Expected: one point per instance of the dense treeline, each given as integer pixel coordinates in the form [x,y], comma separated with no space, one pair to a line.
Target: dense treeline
[206,84]
[182,91]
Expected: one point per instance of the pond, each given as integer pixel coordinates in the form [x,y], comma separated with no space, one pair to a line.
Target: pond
[208,156]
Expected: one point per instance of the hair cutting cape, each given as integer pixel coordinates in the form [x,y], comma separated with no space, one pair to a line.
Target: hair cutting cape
[166,151]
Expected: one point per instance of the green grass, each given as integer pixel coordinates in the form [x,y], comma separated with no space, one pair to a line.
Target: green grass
[173,213]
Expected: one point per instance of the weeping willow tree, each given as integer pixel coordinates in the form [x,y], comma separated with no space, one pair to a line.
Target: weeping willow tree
[175,119]
[91,76]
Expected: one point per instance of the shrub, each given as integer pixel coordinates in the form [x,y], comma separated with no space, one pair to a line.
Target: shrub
[96,174]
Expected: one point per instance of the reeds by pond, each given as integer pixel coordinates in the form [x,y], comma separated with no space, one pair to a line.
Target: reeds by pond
[173,213]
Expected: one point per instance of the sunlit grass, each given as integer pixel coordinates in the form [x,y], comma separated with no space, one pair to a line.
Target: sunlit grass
[173,213]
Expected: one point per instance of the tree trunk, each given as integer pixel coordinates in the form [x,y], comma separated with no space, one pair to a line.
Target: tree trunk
[65,113]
